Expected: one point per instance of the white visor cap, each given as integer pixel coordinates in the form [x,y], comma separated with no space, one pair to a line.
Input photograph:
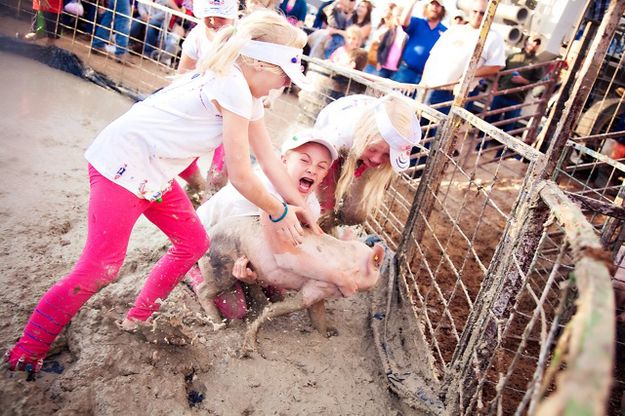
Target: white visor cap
[286,57]
[308,136]
[228,9]
[400,146]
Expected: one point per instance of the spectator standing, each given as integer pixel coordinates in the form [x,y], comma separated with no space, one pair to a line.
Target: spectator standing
[116,17]
[390,47]
[389,11]
[339,16]
[321,20]
[452,52]
[516,79]
[45,20]
[422,33]
[362,19]
[295,11]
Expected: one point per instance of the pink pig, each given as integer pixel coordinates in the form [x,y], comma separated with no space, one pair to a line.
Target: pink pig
[321,267]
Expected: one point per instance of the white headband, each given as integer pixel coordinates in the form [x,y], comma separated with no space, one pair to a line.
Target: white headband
[286,57]
[400,146]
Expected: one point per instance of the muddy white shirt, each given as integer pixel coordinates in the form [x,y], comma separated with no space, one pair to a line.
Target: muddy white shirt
[228,202]
[337,122]
[452,53]
[197,43]
[144,149]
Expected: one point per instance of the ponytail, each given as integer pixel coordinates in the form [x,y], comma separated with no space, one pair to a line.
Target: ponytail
[261,25]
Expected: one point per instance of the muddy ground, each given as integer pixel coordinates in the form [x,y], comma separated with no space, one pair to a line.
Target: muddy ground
[49,118]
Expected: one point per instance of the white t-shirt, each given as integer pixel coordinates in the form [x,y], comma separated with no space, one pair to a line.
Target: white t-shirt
[197,43]
[452,53]
[144,149]
[338,120]
[228,202]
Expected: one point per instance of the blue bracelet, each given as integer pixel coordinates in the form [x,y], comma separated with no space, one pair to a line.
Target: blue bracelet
[281,217]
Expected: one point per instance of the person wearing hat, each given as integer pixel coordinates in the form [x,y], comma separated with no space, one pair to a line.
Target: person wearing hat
[452,52]
[133,161]
[374,138]
[214,15]
[307,157]
[422,33]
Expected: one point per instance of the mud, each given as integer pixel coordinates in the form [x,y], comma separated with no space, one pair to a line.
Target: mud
[49,118]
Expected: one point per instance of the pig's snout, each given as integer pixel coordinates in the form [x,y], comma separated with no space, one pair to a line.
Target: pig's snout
[375,259]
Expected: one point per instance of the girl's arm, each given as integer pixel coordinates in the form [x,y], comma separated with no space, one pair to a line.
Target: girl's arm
[276,172]
[186,64]
[288,230]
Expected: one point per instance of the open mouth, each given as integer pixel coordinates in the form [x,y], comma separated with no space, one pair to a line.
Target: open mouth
[305,185]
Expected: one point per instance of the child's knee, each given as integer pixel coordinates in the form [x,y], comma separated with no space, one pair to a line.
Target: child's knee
[197,244]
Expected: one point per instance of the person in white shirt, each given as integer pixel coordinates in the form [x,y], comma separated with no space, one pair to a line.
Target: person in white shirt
[214,15]
[374,137]
[452,52]
[307,157]
[134,160]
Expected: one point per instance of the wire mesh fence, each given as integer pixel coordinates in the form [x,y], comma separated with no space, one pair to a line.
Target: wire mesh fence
[594,181]
[141,58]
[499,289]
[520,361]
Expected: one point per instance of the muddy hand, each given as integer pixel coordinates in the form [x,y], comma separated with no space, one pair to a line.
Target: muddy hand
[242,272]
[306,217]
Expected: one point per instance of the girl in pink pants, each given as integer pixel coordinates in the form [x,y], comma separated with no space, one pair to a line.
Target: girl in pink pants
[133,161]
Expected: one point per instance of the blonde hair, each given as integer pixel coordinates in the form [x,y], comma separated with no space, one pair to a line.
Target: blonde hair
[400,112]
[355,31]
[261,25]
[265,4]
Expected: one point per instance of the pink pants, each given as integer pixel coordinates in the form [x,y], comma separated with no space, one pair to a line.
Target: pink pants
[113,211]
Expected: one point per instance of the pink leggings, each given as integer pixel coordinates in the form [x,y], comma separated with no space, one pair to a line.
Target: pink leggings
[112,214]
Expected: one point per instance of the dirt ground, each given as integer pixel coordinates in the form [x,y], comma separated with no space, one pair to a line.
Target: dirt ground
[49,118]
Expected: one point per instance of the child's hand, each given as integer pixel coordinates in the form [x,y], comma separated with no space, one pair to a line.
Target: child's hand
[287,230]
[242,272]
[307,218]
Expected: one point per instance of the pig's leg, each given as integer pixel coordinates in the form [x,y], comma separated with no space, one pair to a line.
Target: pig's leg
[289,305]
[318,318]
[206,293]
[315,292]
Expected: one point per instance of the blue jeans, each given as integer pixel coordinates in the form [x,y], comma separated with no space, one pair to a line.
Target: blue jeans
[370,69]
[440,96]
[386,73]
[121,23]
[407,75]
[152,33]
[501,101]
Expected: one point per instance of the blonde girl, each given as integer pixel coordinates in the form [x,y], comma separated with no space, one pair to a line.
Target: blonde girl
[374,137]
[134,160]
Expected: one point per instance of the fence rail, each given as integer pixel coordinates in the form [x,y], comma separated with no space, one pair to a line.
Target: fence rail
[502,274]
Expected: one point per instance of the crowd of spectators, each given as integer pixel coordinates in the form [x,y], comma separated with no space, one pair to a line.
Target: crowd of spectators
[408,45]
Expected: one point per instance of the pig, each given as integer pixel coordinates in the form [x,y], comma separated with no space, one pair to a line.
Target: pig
[321,267]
